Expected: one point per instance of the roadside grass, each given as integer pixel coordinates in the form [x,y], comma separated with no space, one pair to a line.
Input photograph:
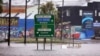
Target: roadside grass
[33,40]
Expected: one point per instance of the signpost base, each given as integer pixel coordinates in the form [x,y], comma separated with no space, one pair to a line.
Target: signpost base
[44,43]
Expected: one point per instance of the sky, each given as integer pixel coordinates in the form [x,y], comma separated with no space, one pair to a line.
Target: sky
[56,2]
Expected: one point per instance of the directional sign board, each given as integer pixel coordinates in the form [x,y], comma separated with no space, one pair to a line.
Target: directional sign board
[44,26]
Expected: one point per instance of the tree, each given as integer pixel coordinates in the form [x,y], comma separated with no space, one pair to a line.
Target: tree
[49,8]
[1,2]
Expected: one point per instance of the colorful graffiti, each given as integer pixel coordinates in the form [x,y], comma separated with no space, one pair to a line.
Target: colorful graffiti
[18,30]
[4,21]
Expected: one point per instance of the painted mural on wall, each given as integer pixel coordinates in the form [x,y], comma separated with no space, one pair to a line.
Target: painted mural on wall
[87,26]
[18,30]
[4,21]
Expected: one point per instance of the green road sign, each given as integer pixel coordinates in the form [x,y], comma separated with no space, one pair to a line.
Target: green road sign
[44,25]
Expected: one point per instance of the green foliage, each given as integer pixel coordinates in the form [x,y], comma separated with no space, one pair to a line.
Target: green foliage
[49,8]
[1,2]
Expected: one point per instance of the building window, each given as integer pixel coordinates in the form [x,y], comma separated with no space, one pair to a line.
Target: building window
[80,12]
[99,14]
[67,12]
[95,12]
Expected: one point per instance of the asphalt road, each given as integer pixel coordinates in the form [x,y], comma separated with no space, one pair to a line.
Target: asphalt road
[18,49]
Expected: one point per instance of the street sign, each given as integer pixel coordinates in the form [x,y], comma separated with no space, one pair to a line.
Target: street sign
[44,26]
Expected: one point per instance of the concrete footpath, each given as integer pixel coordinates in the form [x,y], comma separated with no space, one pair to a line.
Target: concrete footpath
[18,49]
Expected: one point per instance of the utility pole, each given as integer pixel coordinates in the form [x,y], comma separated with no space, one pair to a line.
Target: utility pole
[62,21]
[9,23]
[25,21]
[38,6]
[38,13]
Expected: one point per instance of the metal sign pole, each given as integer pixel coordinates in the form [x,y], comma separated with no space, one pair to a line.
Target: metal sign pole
[44,42]
[73,41]
[70,35]
[51,43]
[37,43]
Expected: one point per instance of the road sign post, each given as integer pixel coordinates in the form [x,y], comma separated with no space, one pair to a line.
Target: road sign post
[44,27]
